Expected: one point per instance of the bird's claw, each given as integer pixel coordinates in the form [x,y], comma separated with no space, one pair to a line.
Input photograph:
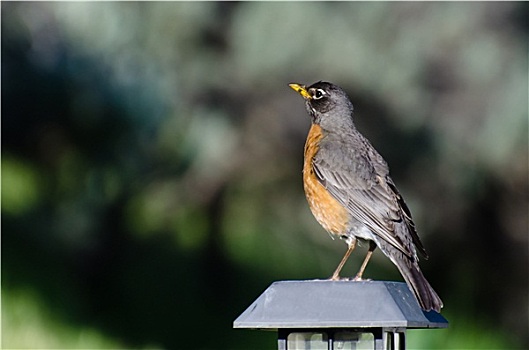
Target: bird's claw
[338,278]
[355,279]
[360,279]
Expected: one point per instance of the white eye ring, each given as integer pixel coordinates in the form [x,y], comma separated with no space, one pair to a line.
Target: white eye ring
[318,93]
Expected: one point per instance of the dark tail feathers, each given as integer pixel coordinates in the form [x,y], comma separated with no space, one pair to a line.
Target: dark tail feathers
[424,293]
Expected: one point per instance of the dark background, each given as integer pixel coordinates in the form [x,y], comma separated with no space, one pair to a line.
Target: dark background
[152,153]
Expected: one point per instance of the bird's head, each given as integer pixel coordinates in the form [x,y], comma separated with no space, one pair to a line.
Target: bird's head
[327,104]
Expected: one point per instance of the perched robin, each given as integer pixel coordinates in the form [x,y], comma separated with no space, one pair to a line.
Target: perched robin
[351,194]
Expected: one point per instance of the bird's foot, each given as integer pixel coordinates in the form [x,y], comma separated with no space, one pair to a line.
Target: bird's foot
[338,278]
[360,279]
[355,279]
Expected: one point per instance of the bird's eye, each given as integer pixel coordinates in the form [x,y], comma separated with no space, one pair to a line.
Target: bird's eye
[319,93]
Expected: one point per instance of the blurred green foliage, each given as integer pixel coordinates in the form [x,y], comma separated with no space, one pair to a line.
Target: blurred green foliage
[152,152]
[28,325]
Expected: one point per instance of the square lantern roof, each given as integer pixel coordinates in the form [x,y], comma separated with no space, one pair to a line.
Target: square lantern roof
[337,304]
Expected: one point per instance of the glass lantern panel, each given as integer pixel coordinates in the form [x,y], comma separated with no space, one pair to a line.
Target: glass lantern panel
[354,341]
[307,341]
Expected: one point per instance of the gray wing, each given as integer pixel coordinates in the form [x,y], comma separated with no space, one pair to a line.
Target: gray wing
[358,177]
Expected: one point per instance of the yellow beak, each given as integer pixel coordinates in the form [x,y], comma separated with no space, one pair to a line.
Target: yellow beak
[301,90]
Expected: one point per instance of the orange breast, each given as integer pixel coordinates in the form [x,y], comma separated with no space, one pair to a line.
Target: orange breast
[327,210]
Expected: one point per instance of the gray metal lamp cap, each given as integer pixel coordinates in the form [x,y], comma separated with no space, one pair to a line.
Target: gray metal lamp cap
[337,304]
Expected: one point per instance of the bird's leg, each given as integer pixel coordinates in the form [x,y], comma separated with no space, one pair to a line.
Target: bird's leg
[336,275]
[372,247]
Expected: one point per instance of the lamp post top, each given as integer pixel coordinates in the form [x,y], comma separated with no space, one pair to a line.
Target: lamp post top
[337,304]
